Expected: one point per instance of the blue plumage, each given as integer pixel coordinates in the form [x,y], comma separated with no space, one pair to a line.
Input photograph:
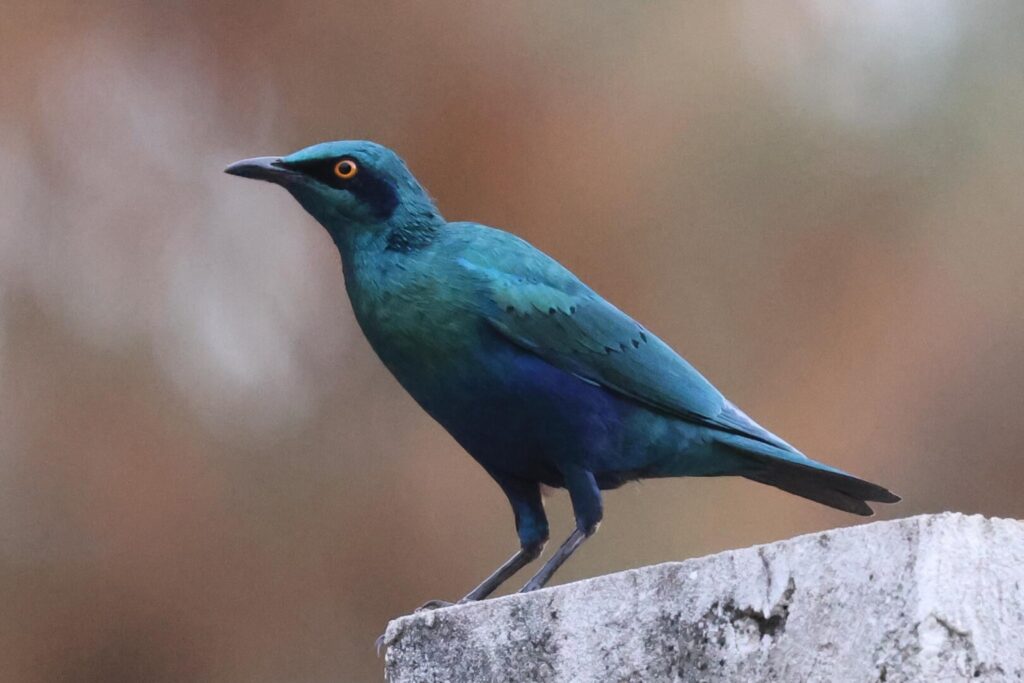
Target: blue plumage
[540,379]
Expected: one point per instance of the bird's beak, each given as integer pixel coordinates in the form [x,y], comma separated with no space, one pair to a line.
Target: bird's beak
[260,168]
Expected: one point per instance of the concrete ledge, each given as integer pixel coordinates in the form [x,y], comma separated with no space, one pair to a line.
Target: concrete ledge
[929,598]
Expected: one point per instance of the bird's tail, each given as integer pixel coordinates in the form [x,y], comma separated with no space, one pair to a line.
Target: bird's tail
[793,472]
[835,489]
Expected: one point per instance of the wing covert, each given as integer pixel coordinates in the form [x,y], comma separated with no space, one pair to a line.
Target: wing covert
[546,310]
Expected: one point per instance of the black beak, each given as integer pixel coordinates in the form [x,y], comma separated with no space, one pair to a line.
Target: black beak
[260,168]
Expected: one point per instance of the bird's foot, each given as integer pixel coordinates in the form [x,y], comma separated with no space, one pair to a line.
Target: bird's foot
[428,606]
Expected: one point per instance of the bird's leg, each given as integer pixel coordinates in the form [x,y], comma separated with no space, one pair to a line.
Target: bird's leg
[586,504]
[532,527]
[574,541]
[525,556]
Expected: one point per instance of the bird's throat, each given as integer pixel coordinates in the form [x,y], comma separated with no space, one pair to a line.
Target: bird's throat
[405,239]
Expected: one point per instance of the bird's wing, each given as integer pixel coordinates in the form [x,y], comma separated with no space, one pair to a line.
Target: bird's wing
[540,306]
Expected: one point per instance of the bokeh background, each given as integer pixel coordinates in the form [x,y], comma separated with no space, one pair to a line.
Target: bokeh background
[206,475]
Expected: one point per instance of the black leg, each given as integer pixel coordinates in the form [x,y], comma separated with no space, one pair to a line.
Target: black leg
[574,541]
[531,526]
[503,573]
[586,504]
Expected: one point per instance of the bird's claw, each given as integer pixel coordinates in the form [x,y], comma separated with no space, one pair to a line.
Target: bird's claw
[425,607]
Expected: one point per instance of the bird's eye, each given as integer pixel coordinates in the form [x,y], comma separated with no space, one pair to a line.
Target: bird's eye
[346,169]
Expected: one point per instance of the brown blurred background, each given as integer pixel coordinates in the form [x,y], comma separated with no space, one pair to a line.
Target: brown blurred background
[206,475]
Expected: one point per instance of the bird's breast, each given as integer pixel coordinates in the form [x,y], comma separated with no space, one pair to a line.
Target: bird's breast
[420,326]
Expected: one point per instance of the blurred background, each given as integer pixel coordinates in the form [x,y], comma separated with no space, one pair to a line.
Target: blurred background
[205,473]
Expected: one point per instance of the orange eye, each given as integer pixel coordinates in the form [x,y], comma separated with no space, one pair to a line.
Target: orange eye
[346,169]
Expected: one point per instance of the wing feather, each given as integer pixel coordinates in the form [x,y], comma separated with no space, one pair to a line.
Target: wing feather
[537,304]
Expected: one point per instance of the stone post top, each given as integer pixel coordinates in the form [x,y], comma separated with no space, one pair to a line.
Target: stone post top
[927,598]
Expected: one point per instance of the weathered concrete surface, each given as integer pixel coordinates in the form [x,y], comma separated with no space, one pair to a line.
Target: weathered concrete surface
[930,598]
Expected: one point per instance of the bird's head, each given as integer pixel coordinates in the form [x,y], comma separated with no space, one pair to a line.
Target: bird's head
[348,185]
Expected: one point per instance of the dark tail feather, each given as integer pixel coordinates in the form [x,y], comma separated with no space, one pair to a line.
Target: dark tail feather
[835,489]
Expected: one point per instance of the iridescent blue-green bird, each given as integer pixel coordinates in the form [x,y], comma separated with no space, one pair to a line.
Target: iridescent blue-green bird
[538,377]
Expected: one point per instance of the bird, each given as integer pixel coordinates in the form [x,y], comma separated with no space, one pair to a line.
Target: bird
[539,378]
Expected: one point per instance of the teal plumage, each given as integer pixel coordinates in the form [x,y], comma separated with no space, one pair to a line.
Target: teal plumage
[538,377]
